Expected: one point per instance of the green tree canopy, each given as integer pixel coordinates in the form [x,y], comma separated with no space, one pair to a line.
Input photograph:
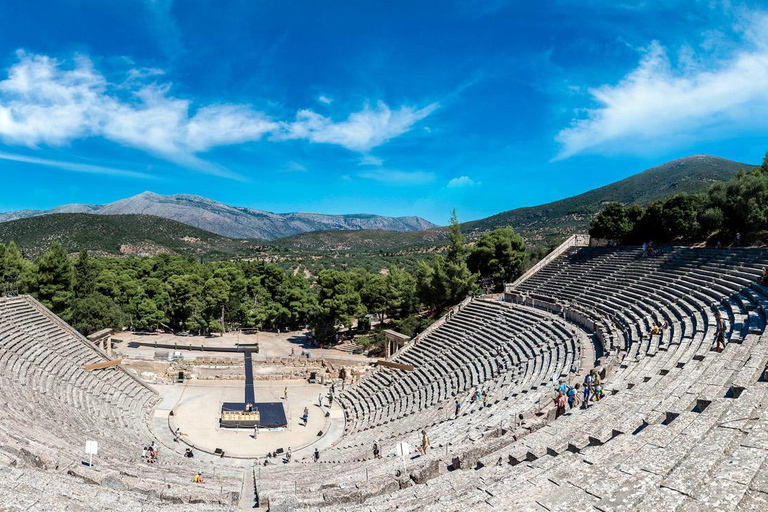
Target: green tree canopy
[400,294]
[55,278]
[498,255]
[611,223]
[338,302]
[85,275]
[95,312]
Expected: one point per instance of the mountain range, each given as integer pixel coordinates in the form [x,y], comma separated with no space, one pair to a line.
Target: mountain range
[187,224]
[231,221]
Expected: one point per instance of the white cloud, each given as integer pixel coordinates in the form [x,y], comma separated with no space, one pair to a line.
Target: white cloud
[324,99]
[394,177]
[361,131]
[294,167]
[463,182]
[657,104]
[46,102]
[371,160]
[74,166]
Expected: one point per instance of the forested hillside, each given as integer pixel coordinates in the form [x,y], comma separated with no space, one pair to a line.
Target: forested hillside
[185,294]
[140,235]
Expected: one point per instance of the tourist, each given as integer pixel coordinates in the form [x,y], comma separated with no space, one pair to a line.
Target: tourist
[376,451]
[285,393]
[598,393]
[144,453]
[763,280]
[655,329]
[587,390]
[288,455]
[317,455]
[256,431]
[188,453]
[330,400]
[572,395]
[563,387]
[198,479]
[560,404]
[320,400]
[424,442]
[293,351]
[720,332]
[176,435]
[738,240]
[268,459]
[485,399]
[458,408]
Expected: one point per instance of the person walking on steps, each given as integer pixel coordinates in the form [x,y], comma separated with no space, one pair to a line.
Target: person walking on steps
[720,332]
[560,404]
[424,442]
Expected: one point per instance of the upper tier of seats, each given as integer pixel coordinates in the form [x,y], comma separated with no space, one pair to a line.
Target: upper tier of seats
[682,427]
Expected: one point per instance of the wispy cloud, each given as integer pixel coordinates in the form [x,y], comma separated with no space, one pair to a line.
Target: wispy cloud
[371,160]
[75,166]
[294,167]
[361,131]
[46,102]
[463,182]
[324,99]
[395,177]
[659,104]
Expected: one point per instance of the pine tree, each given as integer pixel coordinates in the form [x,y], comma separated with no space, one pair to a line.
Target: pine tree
[85,275]
[55,278]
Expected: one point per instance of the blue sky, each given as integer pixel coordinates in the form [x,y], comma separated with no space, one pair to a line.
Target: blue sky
[395,108]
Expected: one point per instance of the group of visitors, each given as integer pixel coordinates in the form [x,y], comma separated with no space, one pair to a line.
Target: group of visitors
[649,250]
[198,478]
[479,396]
[577,396]
[149,453]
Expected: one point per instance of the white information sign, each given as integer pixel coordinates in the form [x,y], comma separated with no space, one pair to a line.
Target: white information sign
[91,449]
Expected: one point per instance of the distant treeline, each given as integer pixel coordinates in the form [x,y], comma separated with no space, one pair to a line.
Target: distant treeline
[731,208]
[186,295]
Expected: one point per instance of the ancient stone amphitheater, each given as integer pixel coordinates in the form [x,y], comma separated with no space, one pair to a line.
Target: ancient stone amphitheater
[682,427]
